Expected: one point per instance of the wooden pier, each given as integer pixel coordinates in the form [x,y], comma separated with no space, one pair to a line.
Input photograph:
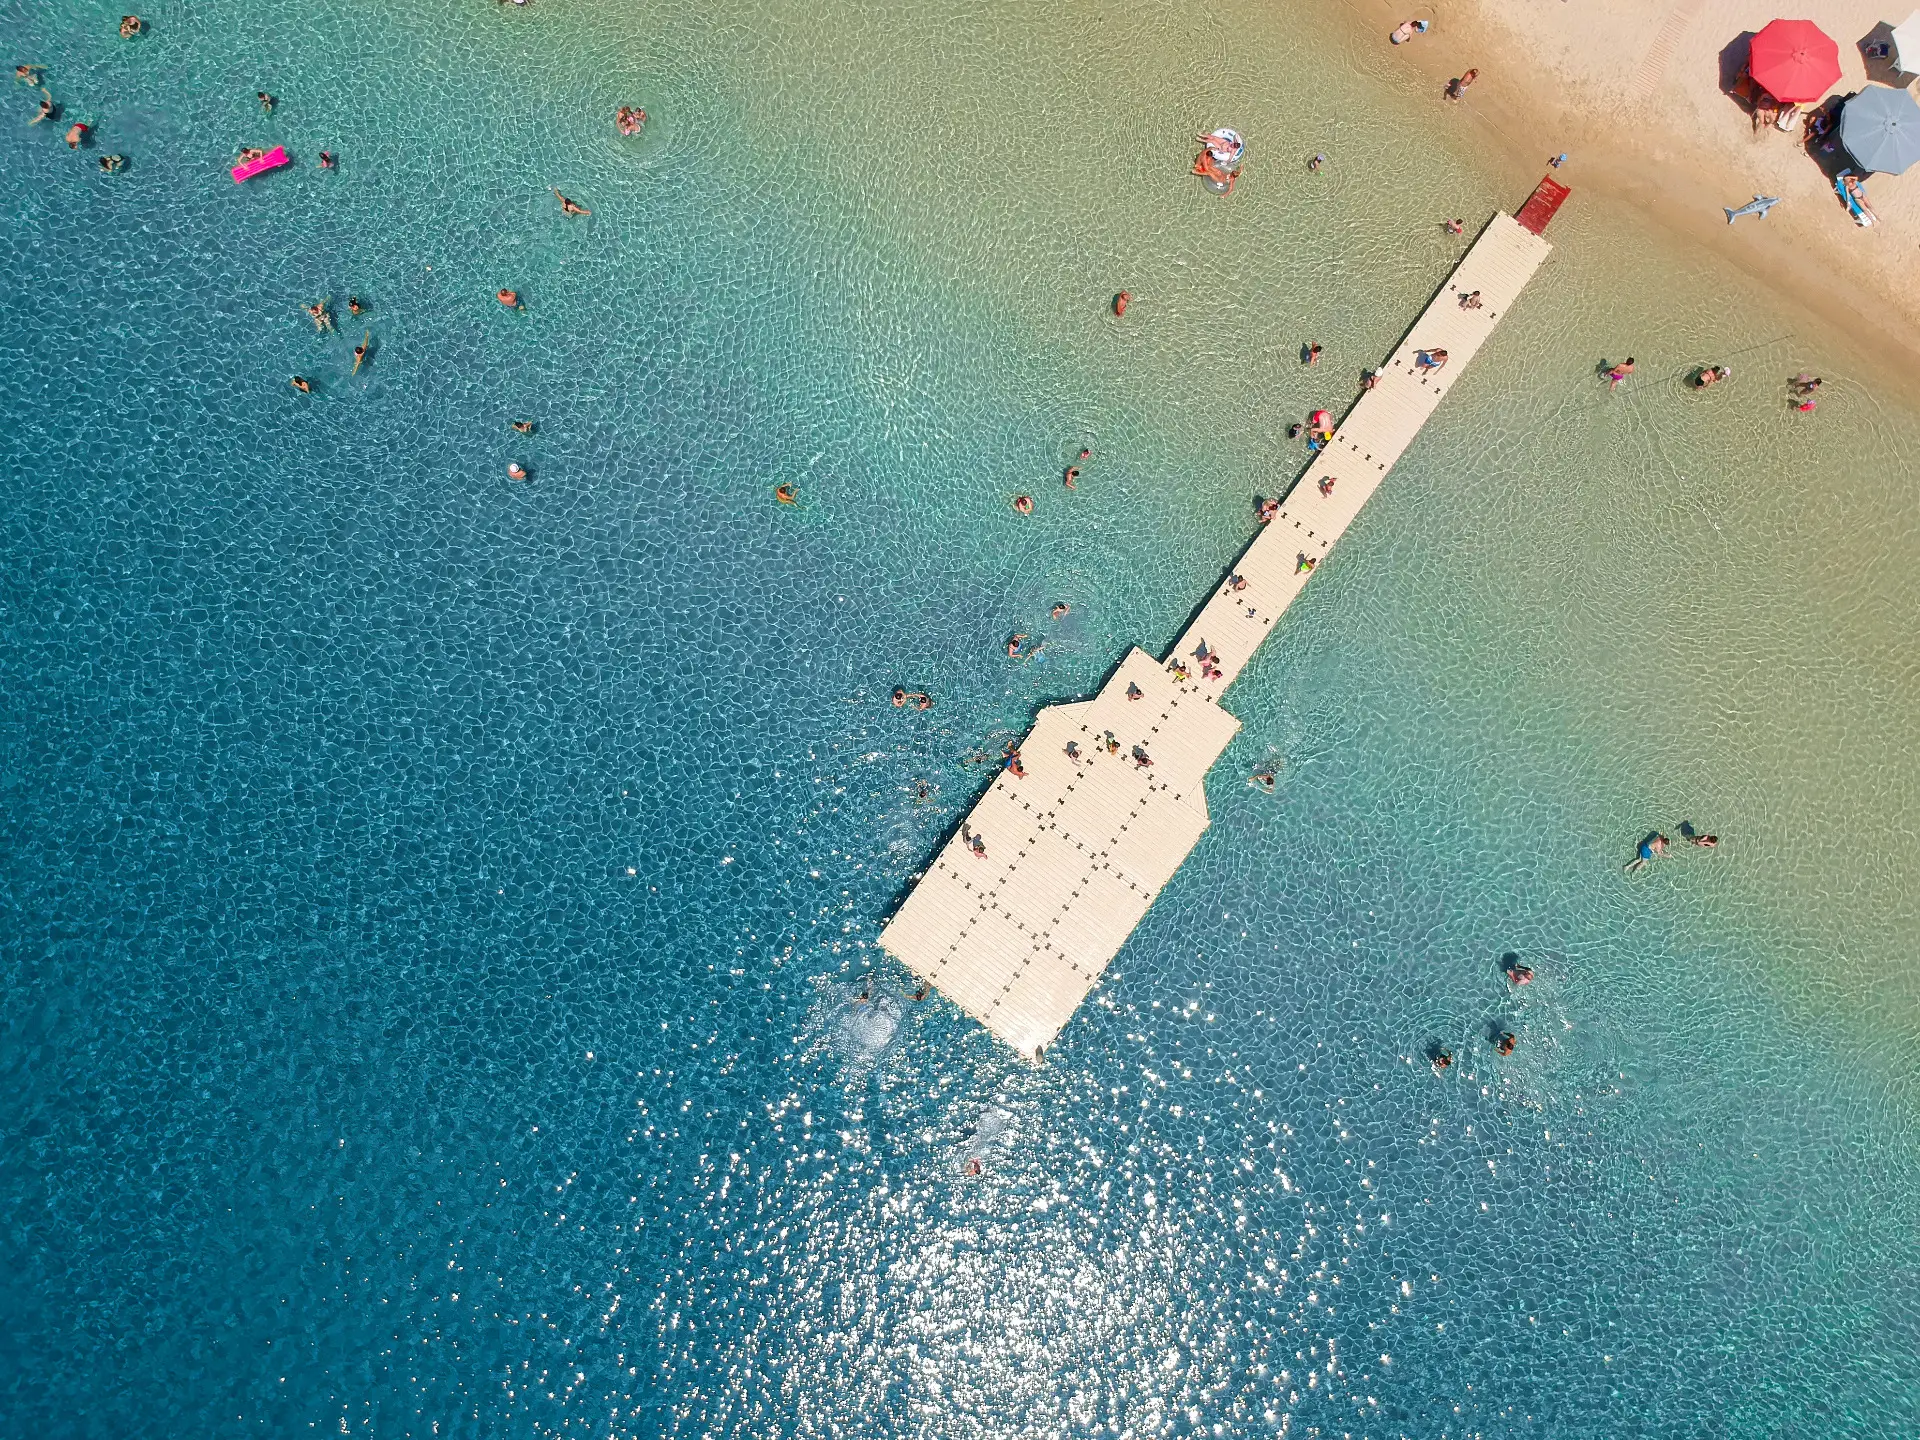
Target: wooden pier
[1020,912]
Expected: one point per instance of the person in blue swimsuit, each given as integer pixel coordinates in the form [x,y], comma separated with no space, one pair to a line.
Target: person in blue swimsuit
[1649,849]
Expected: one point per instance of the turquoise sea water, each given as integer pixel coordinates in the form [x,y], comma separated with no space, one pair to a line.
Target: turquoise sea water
[435,906]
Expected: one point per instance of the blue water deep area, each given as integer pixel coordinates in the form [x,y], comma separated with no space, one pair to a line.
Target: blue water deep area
[440,989]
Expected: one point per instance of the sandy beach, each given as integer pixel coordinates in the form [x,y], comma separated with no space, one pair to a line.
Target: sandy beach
[1632,91]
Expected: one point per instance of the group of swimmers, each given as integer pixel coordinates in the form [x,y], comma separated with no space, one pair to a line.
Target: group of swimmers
[79,133]
[320,312]
[1319,426]
[1017,640]
[1504,1040]
[1070,479]
[629,119]
[1655,846]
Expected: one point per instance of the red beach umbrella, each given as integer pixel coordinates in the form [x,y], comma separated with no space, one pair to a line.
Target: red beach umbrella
[1794,61]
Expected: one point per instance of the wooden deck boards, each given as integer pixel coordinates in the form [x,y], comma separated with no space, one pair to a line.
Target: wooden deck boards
[1076,849]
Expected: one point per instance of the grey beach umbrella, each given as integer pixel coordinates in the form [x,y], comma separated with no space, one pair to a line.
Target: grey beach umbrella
[1881,129]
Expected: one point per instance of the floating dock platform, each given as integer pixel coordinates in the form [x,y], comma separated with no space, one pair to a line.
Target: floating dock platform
[1019,914]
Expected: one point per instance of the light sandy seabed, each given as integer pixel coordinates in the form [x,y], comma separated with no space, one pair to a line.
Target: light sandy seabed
[1630,89]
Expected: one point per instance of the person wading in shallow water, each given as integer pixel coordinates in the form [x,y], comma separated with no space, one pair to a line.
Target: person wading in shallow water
[1648,850]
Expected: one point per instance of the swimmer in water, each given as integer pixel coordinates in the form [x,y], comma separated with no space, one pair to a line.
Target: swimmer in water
[921,993]
[569,207]
[1441,1060]
[1262,780]
[267,102]
[786,494]
[1073,474]
[1649,850]
[508,298]
[321,316]
[1061,609]
[1617,373]
[77,134]
[302,384]
[1023,504]
[361,351]
[1517,973]
[974,1167]
[1504,1045]
[113,163]
[46,111]
[1455,227]
[1013,646]
[1313,353]
[130,26]
[326,160]
[29,74]
[355,305]
[516,471]
[521,427]
[1121,301]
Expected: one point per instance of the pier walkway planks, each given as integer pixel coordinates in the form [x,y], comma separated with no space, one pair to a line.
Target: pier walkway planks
[1020,912]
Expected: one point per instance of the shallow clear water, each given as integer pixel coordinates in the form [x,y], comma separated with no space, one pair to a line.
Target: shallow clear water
[436,906]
